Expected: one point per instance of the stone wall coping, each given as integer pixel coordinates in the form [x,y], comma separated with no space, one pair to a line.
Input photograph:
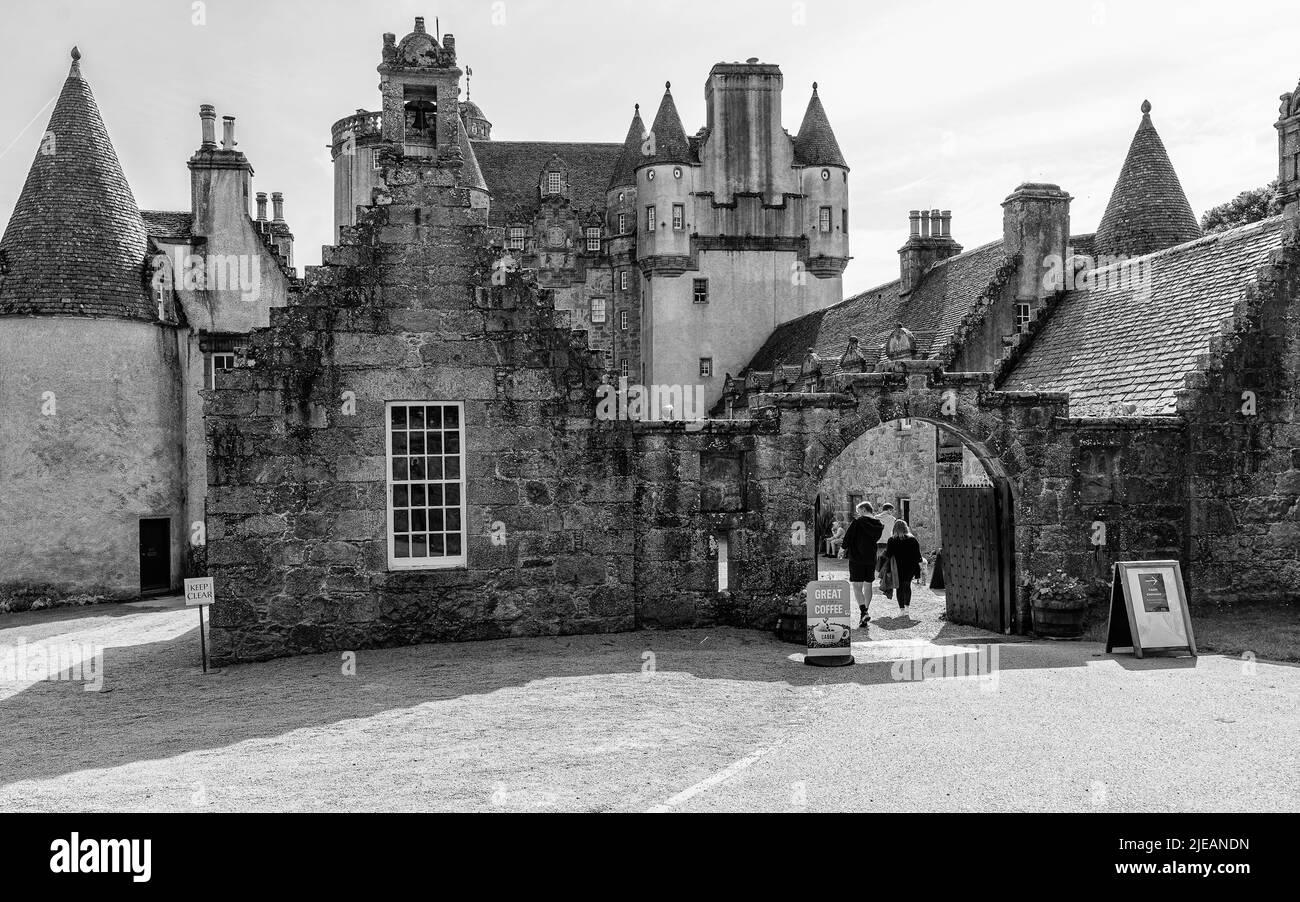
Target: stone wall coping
[1132,423]
[1025,397]
[799,399]
[701,426]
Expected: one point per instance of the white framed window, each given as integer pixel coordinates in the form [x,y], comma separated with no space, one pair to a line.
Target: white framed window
[650,218]
[1024,314]
[517,236]
[593,240]
[679,217]
[824,219]
[700,291]
[622,320]
[626,366]
[597,310]
[426,485]
[905,425]
[624,226]
[706,367]
[220,360]
[552,183]
[622,280]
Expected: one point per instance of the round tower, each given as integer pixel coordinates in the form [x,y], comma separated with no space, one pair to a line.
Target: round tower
[665,180]
[824,179]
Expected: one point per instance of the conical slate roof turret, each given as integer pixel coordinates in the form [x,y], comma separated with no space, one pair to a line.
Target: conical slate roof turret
[668,144]
[815,144]
[625,170]
[75,244]
[1148,210]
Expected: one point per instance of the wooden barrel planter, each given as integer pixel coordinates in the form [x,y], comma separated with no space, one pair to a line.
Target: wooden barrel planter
[1057,621]
[792,623]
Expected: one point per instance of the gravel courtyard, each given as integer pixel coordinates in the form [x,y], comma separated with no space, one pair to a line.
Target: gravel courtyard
[707,720]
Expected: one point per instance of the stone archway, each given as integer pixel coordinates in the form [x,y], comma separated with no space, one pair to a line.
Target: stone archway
[1009,433]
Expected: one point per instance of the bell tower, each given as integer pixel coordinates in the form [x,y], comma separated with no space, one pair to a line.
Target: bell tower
[420,85]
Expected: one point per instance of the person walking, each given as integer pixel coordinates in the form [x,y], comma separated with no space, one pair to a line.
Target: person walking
[860,543]
[903,557]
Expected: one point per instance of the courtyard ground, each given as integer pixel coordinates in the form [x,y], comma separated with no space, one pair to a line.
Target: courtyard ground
[694,720]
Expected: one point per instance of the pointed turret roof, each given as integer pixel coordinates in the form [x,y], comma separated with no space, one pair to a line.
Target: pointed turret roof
[625,170]
[1148,210]
[471,175]
[670,144]
[76,243]
[816,145]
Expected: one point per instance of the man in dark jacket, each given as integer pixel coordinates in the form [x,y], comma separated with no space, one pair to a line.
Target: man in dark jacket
[860,547]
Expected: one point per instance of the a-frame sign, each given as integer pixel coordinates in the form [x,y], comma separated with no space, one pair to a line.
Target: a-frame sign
[1148,609]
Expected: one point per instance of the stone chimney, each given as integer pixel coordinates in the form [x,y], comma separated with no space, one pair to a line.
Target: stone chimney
[208,118]
[281,236]
[1288,165]
[261,206]
[277,206]
[1036,225]
[929,241]
[220,179]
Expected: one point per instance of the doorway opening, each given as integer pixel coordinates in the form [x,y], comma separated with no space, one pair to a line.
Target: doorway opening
[957,504]
[155,555]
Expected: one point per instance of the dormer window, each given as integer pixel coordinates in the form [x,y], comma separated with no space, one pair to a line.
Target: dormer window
[593,240]
[517,236]
[552,183]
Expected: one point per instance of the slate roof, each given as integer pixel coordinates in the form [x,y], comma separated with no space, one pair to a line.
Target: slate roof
[1119,345]
[946,293]
[76,243]
[815,145]
[670,142]
[168,223]
[1148,210]
[513,171]
[625,169]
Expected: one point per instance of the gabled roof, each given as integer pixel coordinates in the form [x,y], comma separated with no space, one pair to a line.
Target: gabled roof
[625,169]
[670,143]
[1132,343]
[513,171]
[1148,210]
[934,309]
[75,244]
[168,223]
[815,145]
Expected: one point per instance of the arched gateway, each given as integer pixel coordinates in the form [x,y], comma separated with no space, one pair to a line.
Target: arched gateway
[989,534]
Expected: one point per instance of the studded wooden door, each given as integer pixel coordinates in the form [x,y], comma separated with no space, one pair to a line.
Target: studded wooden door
[972,555]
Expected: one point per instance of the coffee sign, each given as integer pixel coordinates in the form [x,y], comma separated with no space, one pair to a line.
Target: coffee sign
[830,623]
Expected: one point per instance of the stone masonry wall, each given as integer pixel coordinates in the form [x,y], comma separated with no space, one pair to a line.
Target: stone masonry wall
[1243,449]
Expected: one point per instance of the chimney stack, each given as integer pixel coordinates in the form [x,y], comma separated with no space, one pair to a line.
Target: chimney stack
[277,206]
[929,241]
[1036,225]
[208,117]
[261,206]
[228,133]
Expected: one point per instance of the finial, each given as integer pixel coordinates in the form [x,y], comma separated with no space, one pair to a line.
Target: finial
[814,87]
[76,54]
[668,86]
[638,109]
[76,63]
[1146,107]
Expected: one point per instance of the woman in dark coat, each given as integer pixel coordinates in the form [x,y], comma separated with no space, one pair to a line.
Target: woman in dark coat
[903,552]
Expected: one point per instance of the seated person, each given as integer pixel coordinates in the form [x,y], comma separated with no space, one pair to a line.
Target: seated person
[835,540]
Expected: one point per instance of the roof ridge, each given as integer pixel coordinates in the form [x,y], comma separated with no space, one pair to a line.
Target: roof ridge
[932,268]
[1212,238]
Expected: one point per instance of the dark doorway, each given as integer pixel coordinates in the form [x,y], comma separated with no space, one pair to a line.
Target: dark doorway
[156,555]
[977,561]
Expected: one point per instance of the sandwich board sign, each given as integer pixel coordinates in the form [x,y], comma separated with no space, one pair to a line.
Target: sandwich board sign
[830,623]
[199,593]
[1148,609]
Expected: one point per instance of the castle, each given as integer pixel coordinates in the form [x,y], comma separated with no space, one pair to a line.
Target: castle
[677,254]
[407,447]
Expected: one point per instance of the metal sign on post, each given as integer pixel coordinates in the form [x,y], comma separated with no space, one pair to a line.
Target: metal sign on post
[830,624]
[199,593]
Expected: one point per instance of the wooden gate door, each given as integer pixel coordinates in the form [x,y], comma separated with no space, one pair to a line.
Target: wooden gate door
[972,555]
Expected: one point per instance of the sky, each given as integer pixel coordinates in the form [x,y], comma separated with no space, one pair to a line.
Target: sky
[935,104]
